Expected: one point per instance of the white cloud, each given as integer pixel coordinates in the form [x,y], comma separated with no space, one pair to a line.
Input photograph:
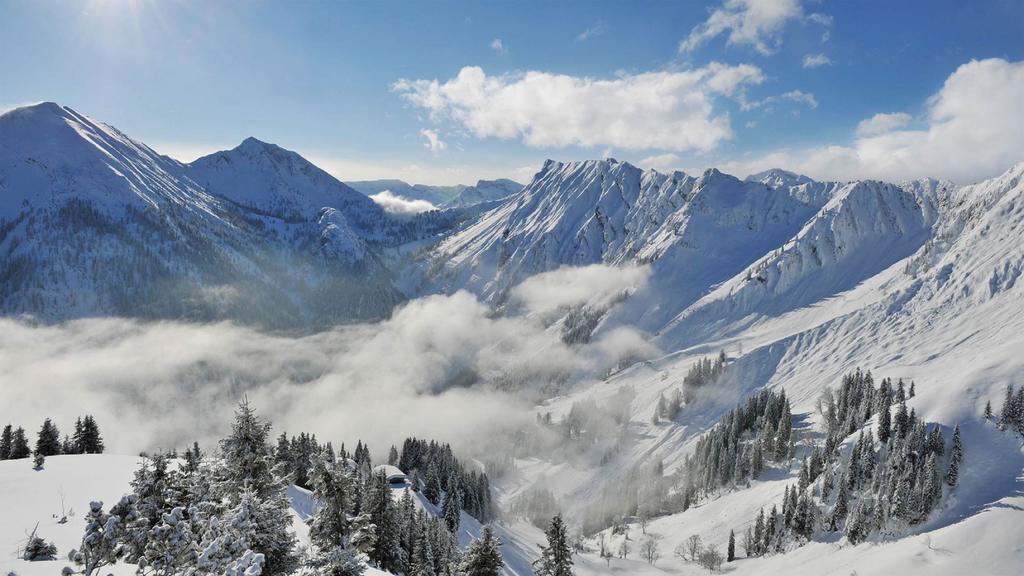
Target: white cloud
[409,371]
[801,97]
[661,162]
[396,204]
[434,142]
[797,96]
[347,168]
[816,60]
[597,29]
[596,285]
[498,46]
[653,110]
[757,23]
[185,152]
[882,122]
[974,130]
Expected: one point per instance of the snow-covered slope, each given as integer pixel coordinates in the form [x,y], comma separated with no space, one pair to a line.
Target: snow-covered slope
[696,231]
[95,223]
[932,295]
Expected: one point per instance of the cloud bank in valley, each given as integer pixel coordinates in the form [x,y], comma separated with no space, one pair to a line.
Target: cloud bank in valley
[441,367]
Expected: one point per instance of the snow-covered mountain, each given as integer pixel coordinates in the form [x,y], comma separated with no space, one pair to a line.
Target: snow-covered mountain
[456,196]
[484,191]
[694,231]
[95,223]
[799,281]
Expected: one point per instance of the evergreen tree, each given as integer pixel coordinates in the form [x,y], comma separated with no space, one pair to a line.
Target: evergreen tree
[19,445]
[483,555]
[48,440]
[332,487]
[247,456]
[393,456]
[987,415]
[247,461]
[380,508]
[1008,413]
[841,508]
[956,456]
[901,423]
[90,441]
[556,557]
[884,419]
[451,508]
[422,561]
[6,441]
[731,553]
[433,488]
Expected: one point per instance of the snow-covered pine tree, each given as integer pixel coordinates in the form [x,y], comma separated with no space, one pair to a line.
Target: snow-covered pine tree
[433,488]
[38,549]
[101,542]
[556,557]
[91,442]
[379,506]
[6,440]
[731,550]
[332,491]
[247,467]
[483,555]
[48,440]
[956,456]
[170,548]
[452,506]
[19,445]
[422,561]
[884,418]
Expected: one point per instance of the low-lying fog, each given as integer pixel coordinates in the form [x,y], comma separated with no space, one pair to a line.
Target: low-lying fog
[443,367]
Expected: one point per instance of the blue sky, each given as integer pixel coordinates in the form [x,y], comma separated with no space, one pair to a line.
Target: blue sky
[424,91]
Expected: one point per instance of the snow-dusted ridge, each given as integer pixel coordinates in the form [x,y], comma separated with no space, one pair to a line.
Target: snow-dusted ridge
[95,223]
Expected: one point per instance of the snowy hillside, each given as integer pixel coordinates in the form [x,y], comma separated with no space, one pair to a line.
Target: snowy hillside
[95,223]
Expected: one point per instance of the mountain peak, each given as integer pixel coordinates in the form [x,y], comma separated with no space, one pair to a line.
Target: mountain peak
[39,108]
[776,177]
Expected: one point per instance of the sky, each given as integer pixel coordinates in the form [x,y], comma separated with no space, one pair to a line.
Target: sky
[446,92]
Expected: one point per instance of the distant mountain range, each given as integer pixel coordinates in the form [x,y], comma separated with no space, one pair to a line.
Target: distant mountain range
[442,196]
[95,223]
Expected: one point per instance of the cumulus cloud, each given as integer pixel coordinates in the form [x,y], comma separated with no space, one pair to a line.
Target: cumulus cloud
[661,162]
[757,23]
[882,122]
[443,367]
[498,46]
[396,204]
[816,61]
[973,130]
[597,29]
[654,110]
[433,140]
[795,96]
[596,285]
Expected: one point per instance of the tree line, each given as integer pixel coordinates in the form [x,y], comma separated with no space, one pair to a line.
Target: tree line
[228,513]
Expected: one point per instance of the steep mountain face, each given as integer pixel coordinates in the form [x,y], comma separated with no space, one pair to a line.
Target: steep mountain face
[861,231]
[694,231]
[95,223]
